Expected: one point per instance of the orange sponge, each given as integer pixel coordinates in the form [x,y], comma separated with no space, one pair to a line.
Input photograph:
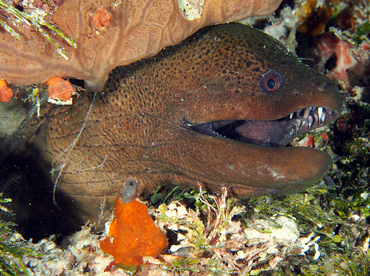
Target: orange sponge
[5,92]
[60,91]
[133,234]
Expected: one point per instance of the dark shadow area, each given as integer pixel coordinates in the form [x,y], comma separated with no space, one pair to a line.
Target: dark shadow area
[77,82]
[24,179]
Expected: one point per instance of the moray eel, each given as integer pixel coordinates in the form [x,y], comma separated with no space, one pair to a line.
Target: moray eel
[216,110]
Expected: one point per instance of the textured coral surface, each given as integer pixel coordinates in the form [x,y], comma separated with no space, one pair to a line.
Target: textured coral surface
[135,30]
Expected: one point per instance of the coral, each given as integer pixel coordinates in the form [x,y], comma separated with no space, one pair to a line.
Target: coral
[81,255]
[137,30]
[133,234]
[338,31]
[100,20]
[329,45]
[5,92]
[315,233]
[352,61]
[313,16]
[60,91]
[219,237]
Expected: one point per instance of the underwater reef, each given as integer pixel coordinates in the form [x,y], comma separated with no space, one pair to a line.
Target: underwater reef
[324,230]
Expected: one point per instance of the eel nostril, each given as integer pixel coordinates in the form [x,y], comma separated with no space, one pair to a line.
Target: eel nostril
[322,85]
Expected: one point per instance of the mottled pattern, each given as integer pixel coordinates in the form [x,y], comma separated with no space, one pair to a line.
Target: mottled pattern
[136,128]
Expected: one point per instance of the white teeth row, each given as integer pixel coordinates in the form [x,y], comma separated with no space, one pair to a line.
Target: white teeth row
[310,115]
[306,113]
[218,134]
[302,123]
[319,111]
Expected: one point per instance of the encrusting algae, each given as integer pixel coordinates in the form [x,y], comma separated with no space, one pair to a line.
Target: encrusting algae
[132,233]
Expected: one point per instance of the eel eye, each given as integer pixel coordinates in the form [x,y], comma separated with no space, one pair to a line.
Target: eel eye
[271,81]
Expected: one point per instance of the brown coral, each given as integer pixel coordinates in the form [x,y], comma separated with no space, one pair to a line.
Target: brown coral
[100,20]
[137,29]
[314,16]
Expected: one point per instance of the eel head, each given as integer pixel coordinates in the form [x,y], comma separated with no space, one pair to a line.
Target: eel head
[254,97]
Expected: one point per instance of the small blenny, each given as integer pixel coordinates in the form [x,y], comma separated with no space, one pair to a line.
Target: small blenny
[132,233]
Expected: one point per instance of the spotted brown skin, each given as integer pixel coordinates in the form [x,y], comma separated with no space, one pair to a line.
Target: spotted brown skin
[154,122]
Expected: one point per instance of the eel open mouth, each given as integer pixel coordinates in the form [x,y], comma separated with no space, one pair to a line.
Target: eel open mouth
[268,133]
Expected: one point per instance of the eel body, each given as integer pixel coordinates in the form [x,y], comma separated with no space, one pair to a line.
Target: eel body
[216,110]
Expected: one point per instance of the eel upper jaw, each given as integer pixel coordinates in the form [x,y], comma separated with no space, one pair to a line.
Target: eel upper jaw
[268,133]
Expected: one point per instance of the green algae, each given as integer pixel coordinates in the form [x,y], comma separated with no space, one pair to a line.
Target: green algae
[361,33]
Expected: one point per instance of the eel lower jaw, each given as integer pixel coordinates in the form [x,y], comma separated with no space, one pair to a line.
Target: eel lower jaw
[268,133]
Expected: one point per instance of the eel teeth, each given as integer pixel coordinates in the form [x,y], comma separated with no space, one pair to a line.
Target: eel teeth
[323,117]
[319,113]
[299,124]
[310,121]
[309,118]
[306,112]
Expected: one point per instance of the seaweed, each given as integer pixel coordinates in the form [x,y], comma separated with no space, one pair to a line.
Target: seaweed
[361,33]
